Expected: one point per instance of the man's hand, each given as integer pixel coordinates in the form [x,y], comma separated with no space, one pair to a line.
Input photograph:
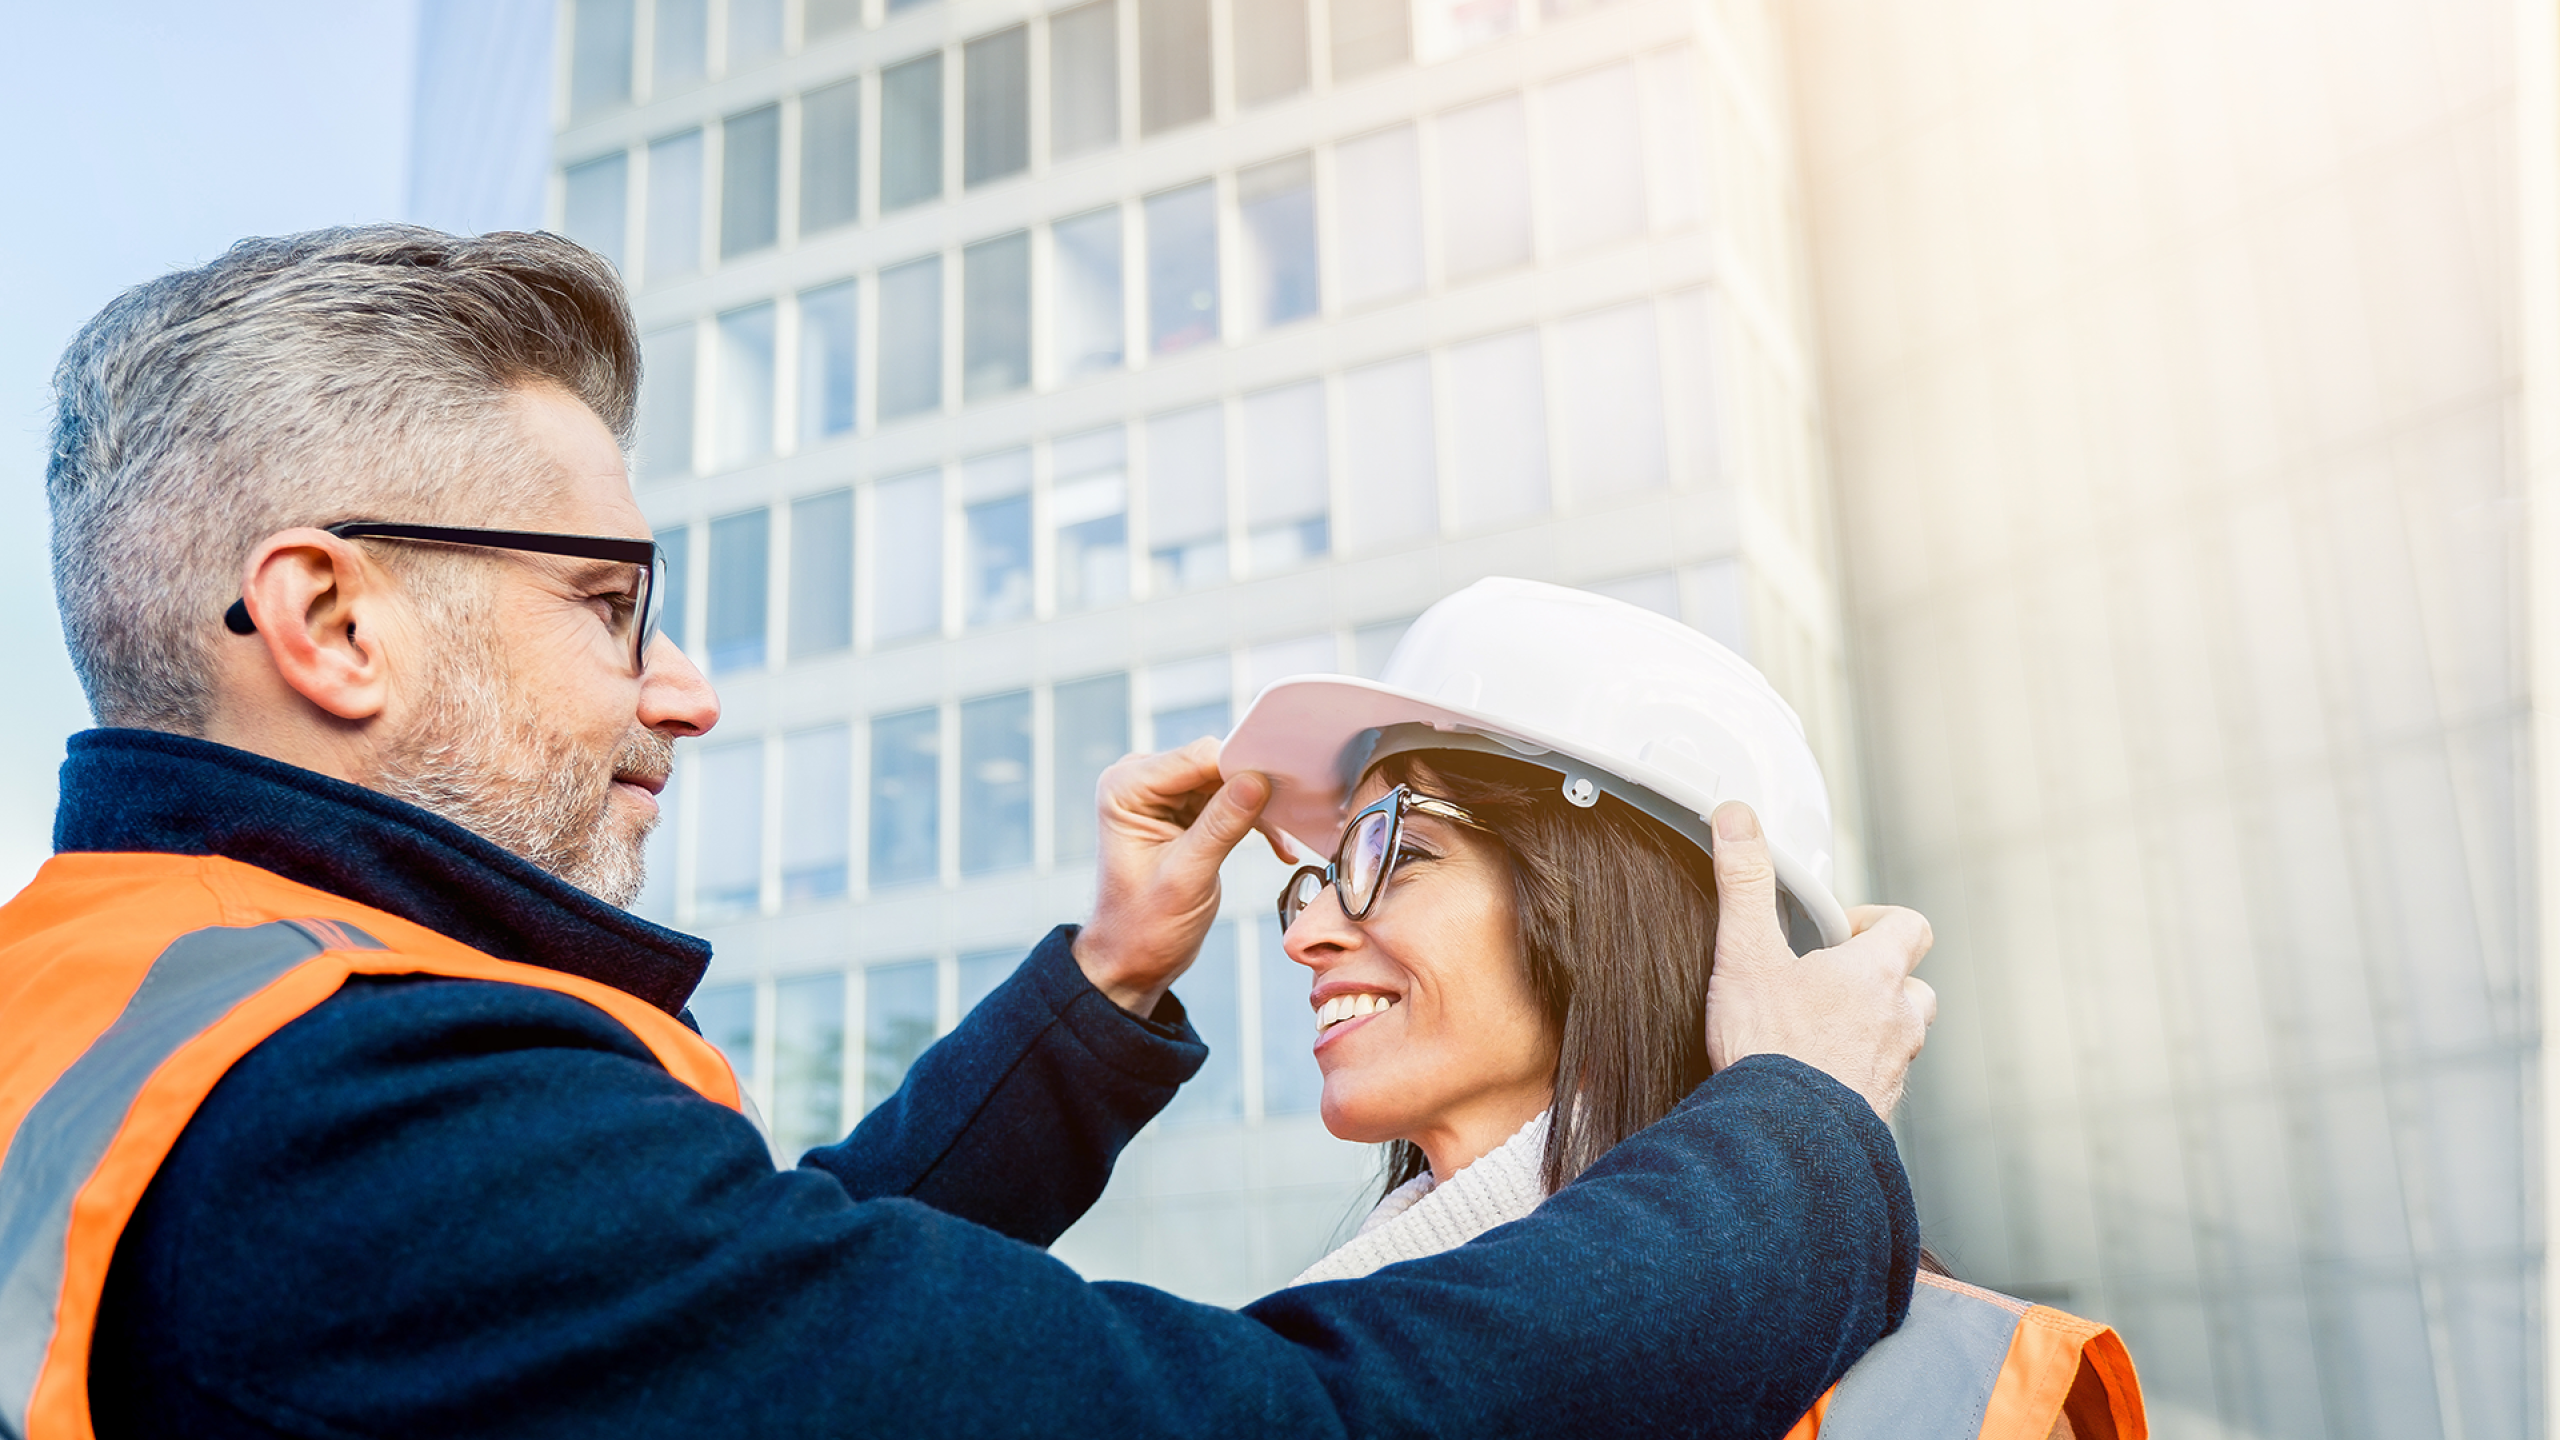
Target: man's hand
[1167,824]
[1853,1012]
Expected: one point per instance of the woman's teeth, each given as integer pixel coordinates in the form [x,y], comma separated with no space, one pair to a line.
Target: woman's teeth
[1349,1007]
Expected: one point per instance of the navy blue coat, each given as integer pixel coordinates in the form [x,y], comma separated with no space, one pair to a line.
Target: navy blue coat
[437,1207]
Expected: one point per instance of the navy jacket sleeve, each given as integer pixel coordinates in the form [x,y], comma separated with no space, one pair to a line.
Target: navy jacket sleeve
[436,1207]
[1014,1118]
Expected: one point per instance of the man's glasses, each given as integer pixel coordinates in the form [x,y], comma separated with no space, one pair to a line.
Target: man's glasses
[1366,859]
[648,585]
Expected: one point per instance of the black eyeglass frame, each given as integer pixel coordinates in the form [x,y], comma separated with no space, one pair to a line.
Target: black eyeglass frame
[648,555]
[1397,803]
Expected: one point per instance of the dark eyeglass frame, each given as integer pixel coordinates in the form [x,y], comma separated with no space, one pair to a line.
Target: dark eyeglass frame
[645,554]
[1395,805]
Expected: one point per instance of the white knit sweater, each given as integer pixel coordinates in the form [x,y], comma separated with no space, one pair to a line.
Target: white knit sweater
[1422,1217]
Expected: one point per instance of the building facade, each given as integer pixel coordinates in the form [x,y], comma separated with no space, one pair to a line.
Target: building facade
[1026,386]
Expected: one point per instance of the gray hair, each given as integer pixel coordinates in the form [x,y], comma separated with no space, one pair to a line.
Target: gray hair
[300,380]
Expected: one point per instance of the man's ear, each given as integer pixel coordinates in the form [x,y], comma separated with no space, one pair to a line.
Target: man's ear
[319,605]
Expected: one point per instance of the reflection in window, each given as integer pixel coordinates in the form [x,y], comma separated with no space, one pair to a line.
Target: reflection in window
[1182,268]
[995,581]
[1442,28]
[906,797]
[681,42]
[1285,501]
[826,361]
[599,56]
[995,783]
[910,380]
[677,545]
[906,557]
[595,202]
[1484,186]
[1270,49]
[1608,376]
[1593,158]
[808,1063]
[1084,79]
[1089,513]
[831,156]
[1379,181]
[995,102]
[1091,730]
[1277,660]
[1173,63]
[728,865]
[817,813]
[673,245]
[750,181]
[1190,698]
[1277,203]
[1391,463]
[742,410]
[995,316]
[1187,497]
[897,5]
[1291,1083]
[1372,644]
[727,1015]
[1369,35]
[755,32]
[736,623]
[1208,994]
[899,1012]
[666,404]
[981,971]
[821,18]
[1497,430]
[821,574]
[911,132]
[1091,325]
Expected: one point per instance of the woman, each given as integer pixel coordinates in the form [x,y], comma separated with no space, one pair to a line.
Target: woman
[1507,952]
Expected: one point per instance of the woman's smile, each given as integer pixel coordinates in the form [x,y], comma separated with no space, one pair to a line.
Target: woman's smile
[1341,1009]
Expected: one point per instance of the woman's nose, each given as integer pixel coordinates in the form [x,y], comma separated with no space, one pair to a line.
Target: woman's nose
[1321,935]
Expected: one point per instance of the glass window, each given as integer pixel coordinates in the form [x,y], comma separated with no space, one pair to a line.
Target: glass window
[1285,500]
[673,246]
[897,5]
[595,202]
[910,380]
[1658,591]
[727,1015]
[1270,49]
[1173,64]
[1091,324]
[678,545]
[808,1063]
[1379,181]
[981,971]
[1688,371]
[1291,1082]
[817,813]
[1182,267]
[736,622]
[1084,79]
[1091,724]
[995,316]
[906,797]
[682,42]
[728,863]
[821,18]
[1497,430]
[1391,484]
[1593,158]
[600,56]
[1716,605]
[831,156]
[995,783]
[1208,994]
[1484,187]
[995,101]
[1442,28]
[1370,35]
[1189,699]
[899,1013]
[1372,644]
[1089,514]
[906,557]
[911,132]
[821,574]
[1187,496]
[750,181]
[826,361]
[1678,135]
[666,403]
[1277,203]
[1608,378]
[742,408]
[755,32]
[996,576]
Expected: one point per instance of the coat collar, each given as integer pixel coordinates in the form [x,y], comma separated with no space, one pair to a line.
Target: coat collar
[141,790]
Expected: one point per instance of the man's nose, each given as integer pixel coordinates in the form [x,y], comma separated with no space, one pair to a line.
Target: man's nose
[674,698]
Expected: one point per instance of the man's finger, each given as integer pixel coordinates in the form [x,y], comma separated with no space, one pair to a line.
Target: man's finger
[1746,886]
[1890,929]
[1224,821]
[1923,1000]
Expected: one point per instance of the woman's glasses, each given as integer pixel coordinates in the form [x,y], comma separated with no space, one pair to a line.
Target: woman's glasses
[1366,859]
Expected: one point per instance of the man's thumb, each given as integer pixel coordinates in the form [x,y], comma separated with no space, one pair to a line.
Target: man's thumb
[1228,817]
[1746,883]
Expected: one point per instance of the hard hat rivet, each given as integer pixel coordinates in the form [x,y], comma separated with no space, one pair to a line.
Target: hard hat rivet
[1581,791]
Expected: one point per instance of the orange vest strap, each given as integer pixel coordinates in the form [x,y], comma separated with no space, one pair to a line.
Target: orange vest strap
[1973,1364]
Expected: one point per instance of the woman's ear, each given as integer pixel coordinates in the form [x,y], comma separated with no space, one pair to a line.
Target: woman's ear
[318,605]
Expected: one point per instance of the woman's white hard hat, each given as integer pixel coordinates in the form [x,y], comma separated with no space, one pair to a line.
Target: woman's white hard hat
[1613,698]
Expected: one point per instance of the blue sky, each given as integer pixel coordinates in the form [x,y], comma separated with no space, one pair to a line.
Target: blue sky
[134,138]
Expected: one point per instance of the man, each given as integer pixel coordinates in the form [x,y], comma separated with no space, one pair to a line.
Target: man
[339,1096]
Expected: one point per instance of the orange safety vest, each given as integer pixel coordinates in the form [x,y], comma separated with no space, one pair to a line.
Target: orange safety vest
[129,985]
[1971,1364]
